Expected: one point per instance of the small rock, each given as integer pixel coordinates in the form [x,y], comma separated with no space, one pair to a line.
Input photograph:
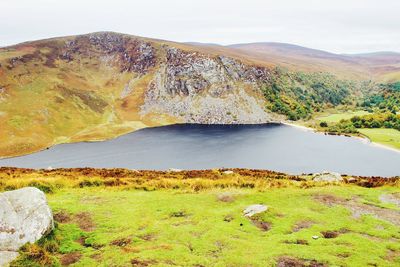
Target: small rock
[24,218]
[254,209]
[228,172]
[174,170]
[327,177]
[315,237]
[352,180]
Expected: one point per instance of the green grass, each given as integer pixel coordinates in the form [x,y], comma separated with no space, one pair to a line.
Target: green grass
[174,227]
[389,137]
[336,117]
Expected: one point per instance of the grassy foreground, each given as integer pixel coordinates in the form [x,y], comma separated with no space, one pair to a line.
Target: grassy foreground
[195,218]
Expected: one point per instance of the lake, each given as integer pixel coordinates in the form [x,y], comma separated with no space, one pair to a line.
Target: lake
[273,146]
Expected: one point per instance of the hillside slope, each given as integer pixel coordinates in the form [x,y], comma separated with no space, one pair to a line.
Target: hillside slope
[101,85]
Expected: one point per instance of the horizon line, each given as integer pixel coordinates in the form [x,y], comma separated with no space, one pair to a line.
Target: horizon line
[204,43]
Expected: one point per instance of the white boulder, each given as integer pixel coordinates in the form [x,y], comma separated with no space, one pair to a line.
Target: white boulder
[24,218]
[327,177]
[174,170]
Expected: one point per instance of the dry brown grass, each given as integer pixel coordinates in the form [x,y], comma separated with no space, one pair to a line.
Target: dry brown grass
[302,225]
[121,242]
[191,180]
[142,263]
[288,261]
[83,219]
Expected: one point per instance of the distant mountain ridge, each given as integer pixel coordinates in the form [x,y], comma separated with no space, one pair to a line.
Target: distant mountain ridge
[381,66]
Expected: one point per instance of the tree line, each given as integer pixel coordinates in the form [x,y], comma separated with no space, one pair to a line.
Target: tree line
[376,120]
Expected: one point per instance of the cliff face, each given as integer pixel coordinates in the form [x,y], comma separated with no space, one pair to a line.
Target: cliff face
[187,85]
[101,85]
[201,89]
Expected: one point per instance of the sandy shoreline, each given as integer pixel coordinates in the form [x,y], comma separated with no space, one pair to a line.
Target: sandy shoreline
[383,146]
[299,126]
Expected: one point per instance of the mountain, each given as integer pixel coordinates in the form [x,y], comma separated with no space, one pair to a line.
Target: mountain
[382,66]
[101,85]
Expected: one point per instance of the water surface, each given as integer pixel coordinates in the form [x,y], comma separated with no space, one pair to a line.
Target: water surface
[275,147]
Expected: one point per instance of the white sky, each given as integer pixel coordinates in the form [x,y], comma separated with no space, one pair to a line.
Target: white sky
[343,26]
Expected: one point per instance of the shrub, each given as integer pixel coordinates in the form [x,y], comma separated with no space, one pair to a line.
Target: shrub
[90,183]
[45,187]
[323,124]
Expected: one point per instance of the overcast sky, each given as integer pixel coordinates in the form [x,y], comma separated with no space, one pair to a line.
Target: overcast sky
[343,26]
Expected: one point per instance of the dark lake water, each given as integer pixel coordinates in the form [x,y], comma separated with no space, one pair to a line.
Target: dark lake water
[275,147]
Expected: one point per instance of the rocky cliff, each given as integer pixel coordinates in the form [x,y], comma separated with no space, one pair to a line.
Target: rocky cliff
[188,85]
[198,88]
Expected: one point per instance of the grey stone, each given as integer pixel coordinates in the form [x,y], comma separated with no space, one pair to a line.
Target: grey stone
[254,209]
[327,177]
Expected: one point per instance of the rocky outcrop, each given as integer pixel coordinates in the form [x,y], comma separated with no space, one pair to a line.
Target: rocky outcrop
[128,54]
[327,177]
[198,88]
[24,218]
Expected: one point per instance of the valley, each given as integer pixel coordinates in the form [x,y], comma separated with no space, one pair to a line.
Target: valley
[99,86]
